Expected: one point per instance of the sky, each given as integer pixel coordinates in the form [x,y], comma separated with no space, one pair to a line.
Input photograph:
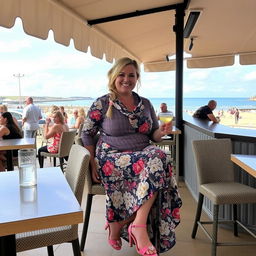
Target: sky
[51,69]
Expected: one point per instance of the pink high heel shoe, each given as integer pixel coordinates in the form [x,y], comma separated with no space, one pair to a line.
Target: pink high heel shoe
[132,240]
[116,244]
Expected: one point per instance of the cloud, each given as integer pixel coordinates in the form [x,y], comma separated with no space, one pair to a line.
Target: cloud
[13,46]
[187,89]
[250,76]
[198,75]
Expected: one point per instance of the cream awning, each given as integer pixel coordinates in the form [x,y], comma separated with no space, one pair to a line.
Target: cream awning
[223,30]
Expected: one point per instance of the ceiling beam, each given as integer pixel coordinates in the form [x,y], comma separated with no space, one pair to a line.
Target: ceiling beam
[133,14]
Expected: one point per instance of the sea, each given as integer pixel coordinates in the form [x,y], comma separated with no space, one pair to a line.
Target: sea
[189,104]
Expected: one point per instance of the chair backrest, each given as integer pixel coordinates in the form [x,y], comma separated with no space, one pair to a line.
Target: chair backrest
[212,159]
[66,142]
[89,186]
[77,167]
[80,130]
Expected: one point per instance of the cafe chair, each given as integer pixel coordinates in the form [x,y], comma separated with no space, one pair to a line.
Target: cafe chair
[79,131]
[66,142]
[215,173]
[91,189]
[76,170]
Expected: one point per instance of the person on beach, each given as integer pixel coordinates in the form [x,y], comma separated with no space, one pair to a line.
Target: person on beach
[30,117]
[54,133]
[8,130]
[205,112]
[237,115]
[142,201]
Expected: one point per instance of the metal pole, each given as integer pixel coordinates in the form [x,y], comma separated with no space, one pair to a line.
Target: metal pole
[19,77]
[178,28]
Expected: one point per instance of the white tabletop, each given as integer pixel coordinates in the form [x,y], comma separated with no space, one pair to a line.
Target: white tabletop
[50,204]
[246,162]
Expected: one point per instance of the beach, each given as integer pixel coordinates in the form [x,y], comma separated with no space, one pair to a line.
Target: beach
[247,117]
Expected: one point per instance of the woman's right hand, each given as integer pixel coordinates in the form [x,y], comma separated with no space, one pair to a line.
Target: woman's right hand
[48,120]
[95,174]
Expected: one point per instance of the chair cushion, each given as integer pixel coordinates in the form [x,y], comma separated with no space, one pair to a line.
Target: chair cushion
[97,190]
[49,154]
[228,193]
[44,237]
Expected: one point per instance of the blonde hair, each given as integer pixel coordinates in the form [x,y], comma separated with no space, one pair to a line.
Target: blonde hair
[59,115]
[81,112]
[54,109]
[113,74]
[4,108]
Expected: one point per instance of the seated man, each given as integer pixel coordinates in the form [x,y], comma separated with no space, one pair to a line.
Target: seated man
[164,109]
[205,112]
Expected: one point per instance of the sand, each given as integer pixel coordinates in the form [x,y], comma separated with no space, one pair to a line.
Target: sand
[247,118]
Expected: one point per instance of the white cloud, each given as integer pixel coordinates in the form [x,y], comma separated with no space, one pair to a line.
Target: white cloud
[250,76]
[198,75]
[13,46]
[193,88]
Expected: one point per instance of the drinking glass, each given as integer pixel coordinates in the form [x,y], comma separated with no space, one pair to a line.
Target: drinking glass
[27,167]
[165,117]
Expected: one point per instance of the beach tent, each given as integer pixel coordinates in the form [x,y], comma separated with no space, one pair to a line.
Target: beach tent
[150,31]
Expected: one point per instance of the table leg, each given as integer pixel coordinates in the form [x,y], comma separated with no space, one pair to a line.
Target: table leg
[8,245]
[9,160]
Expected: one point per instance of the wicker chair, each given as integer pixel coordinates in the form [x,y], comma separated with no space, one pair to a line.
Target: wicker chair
[66,142]
[76,170]
[216,182]
[91,190]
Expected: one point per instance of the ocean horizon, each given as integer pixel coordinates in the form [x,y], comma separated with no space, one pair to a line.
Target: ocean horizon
[189,104]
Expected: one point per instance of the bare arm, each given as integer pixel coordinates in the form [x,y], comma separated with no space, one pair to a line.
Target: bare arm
[94,172]
[24,120]
[78,122]
[49,132]
[4,131]
[213,118]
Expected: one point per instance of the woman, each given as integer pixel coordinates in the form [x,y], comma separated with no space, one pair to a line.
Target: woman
[8,130]
[136,176]
[3,108]
[53,132]
[80,118]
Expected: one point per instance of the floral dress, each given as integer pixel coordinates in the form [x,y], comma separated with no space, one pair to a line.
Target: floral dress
[131,169]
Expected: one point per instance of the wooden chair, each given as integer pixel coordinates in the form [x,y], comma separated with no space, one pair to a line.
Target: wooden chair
[91,190]
[77,167]
[216,182]
[66,142]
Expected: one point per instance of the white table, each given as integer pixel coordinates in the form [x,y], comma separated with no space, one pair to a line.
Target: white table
[246,162]
[50,204]
[12,144]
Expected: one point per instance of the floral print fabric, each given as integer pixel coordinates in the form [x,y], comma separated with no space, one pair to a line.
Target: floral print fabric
[131,177]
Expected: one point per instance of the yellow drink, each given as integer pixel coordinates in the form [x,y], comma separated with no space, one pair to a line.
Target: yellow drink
[165,119]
